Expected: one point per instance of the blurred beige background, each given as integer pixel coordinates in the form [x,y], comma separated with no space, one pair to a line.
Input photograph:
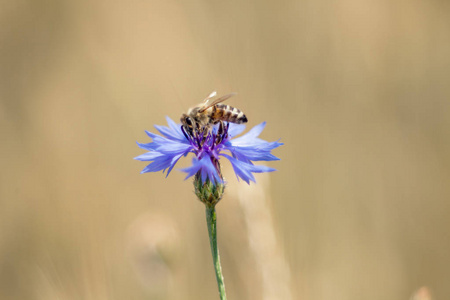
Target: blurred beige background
[357,90]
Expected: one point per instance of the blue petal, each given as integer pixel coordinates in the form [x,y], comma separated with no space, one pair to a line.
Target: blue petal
[172,132]
[153,135]
[174,126]
[235,129]
[171,136]
[167,132]
[192,170]
[162,163]
[165,145]
[158,164]
[251,135]
[205,166]
[249,147]
[238,155]
[257,152]
[164,151]
[244,170]
[149,156]
[149,146]
[172,147]
[250,138]
[256,131]
[172,163]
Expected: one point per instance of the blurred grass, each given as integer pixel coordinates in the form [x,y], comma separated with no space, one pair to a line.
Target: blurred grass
[357,91]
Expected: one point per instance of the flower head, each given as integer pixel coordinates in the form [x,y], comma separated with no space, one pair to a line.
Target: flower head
[166,150]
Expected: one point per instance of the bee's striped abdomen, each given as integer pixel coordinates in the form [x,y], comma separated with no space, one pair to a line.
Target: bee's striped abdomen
[223,112]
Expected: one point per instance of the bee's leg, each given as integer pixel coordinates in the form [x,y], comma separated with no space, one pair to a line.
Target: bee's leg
[198,130]
[200,133]
[205,132]
[195,129]
[226,130]
[220,132]
[221,128]
[186,131]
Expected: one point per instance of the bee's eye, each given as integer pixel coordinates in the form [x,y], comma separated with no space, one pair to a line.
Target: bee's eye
[188,121]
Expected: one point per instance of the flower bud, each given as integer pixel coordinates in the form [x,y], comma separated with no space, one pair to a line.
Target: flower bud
[208,192]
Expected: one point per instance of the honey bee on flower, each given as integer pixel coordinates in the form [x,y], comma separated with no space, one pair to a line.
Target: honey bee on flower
[200,118]
[209,132]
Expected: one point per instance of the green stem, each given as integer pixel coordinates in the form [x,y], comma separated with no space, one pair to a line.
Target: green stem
[212,230]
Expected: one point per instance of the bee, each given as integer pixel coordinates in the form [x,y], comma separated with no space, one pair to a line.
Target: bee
[200,119]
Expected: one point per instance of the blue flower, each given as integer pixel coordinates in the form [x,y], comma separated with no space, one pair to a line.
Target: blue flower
[166,150]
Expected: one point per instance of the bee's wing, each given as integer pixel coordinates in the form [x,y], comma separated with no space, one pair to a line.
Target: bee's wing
[221,99]
[212,95]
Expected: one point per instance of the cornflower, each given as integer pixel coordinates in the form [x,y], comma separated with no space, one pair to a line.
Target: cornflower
[208,146]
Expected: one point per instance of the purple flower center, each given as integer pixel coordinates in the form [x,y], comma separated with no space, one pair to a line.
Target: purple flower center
[208,141]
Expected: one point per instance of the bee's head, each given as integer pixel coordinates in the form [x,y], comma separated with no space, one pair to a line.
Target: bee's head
[186,121]
[187,125]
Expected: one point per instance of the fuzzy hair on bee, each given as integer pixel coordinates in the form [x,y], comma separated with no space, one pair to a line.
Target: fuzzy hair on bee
[200,119]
